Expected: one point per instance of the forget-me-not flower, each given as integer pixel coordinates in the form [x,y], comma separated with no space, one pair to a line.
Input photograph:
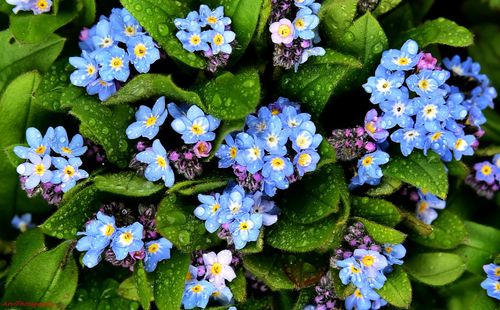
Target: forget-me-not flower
[156,251]
[68,172]
[158,164]
[148,120]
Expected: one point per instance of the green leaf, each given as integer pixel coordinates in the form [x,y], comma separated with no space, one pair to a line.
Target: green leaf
[387,187]
[19,58]
[106,127]
[485,51]
[12,157]
[128,290]
[397,289]
[385,6]
[382,234]
[88,14]
[317,196]
[193,187]
[425,172]
[144,288]
[327,154]
[305,270]
[175,221]
[435,268]
[127,184]
[239,286]
[56,278]
[448,232]
[335,17]
[261,38]
[72,214]
[152,86]
[458,169]
[378,210]
[232,96]
[318,79]
[157,17]
[268,269]
[440,31]
[29,28]
[100,294]
[54,83]
[305,296]
[170,277]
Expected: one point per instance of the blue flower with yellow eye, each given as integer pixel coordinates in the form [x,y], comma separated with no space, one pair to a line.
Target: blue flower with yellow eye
[190,23]
[192,40]
[103,37]
[305,137]
[114,64]
[37,170]
[143,52]
[158,164]
[351,272]
[369,165]
[227,152]
[63,146]
[197,294]
[492,287]
[441,142]
[427,83]
[394,253]
[156,251]
[245,229]
[223,295]
[409,138]
[123,25]
[97,235]
[485,171]
[219,39]
[493,271]
[68,172]
[291,118]
[251,152]
[234,204]
[305,22]
[212,18]
[20,5]
[127,239]
[275,137]
[463,146]
[398,111]
[209,211]
[277,168]
[384,85]
[38,144]
[426,207]
[373,126]
[195,125]
[361,299]
[101,87]
[404,59]
[22,222]
[40,6]
[86,70]
[431,112]
[306,161]
[148,120]
[258,124]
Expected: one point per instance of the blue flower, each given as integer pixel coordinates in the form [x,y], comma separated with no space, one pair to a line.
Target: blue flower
[351,272]
[384,85]
[369,165]
[404,59]
[123,25]
[379,303]
[192,274]
[127,239]
[291,118]
[426,207]
[234,204]
[431,112]
[485,171]
[103,38]
[86,35]
[209,211]
[440,142]
[86,70]
[251,152]
[37,171]
[61,144]
[223,295]
[493,271]
[190,23]
[245,229]
[361,299]
[40,145]
[156,251]
[409,138]
[192,40]
[98,234]
[258,124]
[148,120]
[265,207]
[195,126]
[212,18]
[40,6]
[306,161]
[197,294]
[398,111]
[227,152]
[394,253]
[275,137]
[312,51]
[68,172]
[370,259]
[20,5]
[277,168]
[114,64]
[426,83]
[305,137]
[457,110]
[492,287]
[463,146]
[466,68]
[310,4]
[158,165]
[142,52]
[496,161]
[22,222]
[219,39]
[305,22]
[101,87]
[373,126]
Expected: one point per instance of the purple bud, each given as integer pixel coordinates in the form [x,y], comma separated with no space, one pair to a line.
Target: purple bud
[173,156]
[370,146]
[138,254]
[201,271]
[84,34]
[426,62]
[141,146]
[202,149]
[188,155]
[305,43]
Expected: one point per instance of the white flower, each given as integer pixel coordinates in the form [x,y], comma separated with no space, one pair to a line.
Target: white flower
[218,268]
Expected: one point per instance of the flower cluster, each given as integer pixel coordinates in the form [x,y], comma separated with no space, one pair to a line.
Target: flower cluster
[36,173]
[485,179]
[108,49]
[294,40]
[207,278]
[23,222]
[240,215]
[190,122]
[427,205]
[278,146]
[128,240]
[365,264]
[492,282]
[36,6]
[208,32]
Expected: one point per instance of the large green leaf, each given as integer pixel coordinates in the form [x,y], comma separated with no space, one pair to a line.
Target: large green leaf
[18,58]
[467,293]
[385,6]
[239,286]
[193,187]
[54,83]
[157,17]
[375,209]
[435,268]
[305,269]
[231,96]
[56,278]
[268,268]
[335,17]
[144,288]
[153,86]
[448,232]
[170,276]
[318,79]
[397,289]
[440,31]
[127,184]
[387,187]
[382,234]
[425,172]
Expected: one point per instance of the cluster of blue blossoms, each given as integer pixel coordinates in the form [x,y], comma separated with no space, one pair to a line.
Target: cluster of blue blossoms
[189,121]
[38,168]
[294,40]
[208,280]
[36,6]
[492,282]
[278,146]
[431,115]
[108,49]
[102,232]
[208,32]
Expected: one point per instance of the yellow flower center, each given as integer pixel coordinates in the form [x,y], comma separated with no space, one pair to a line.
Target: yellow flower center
[216,294]
[140,50]
[244,226]
[218,39]
[116,63]
[355,270]
[368,260]
[150,121]
[153,248]
[300,24]
[275,112]
[90,70]
[216,268]
[367,161]
[195,40]
[302,141]
[160,160]
[497,286]
[436,136]
[197,129]
[278,163]
[370,126]
[109,230]
[40,150]
[422,206]
[497,271]
[212,19]
[106,42]
[197,288]
[40,169]
[486,170]
[66,150]
[403,61]
[304,160]
[103,83]
[423,84]
[460,144]
[233,151]
[357,293]
[284,31]
[126,238]
[215,208]
[130,31]
[189,277]
[69,171]
[42,4]
[385,85]
[388,249]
